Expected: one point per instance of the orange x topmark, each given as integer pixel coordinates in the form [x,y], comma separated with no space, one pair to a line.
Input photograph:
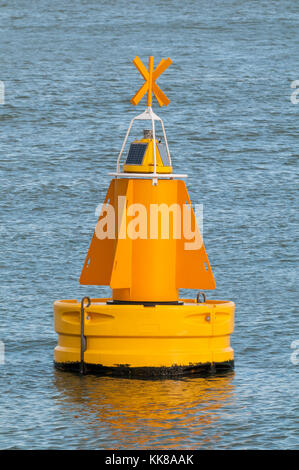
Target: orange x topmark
[150,76]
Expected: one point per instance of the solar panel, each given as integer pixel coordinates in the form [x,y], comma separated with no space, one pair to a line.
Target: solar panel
[163,154]
[136,154]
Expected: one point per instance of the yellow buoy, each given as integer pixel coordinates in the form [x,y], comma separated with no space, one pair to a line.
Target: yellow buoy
[146,246]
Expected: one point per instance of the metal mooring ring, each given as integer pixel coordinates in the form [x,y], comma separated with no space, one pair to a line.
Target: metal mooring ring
[198,297]
[82,302]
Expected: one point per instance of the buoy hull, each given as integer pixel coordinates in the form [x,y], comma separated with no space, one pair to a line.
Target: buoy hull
[145,340]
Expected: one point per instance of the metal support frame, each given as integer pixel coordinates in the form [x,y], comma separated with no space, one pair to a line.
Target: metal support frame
[147,115]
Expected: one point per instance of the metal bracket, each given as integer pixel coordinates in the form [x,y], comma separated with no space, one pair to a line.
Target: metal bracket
[147,115]
[82,337]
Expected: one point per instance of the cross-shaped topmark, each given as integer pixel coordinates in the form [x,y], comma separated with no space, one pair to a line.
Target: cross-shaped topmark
[150,76]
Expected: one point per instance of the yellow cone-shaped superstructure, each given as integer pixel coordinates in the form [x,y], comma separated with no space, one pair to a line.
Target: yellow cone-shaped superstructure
[148,267]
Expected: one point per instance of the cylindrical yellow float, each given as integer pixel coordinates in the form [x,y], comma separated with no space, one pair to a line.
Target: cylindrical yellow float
[145,340]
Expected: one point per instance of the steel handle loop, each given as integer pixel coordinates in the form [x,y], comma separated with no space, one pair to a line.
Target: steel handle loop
[203,296]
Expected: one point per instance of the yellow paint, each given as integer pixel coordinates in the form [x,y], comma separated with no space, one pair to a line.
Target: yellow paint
[162,335]
[150,269]
[150,80]
[150,76]
[148,164]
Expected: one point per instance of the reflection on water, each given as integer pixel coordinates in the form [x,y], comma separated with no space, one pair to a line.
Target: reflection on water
[137,412]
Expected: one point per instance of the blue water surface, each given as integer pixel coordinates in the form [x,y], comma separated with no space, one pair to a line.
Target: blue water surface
[233,127]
